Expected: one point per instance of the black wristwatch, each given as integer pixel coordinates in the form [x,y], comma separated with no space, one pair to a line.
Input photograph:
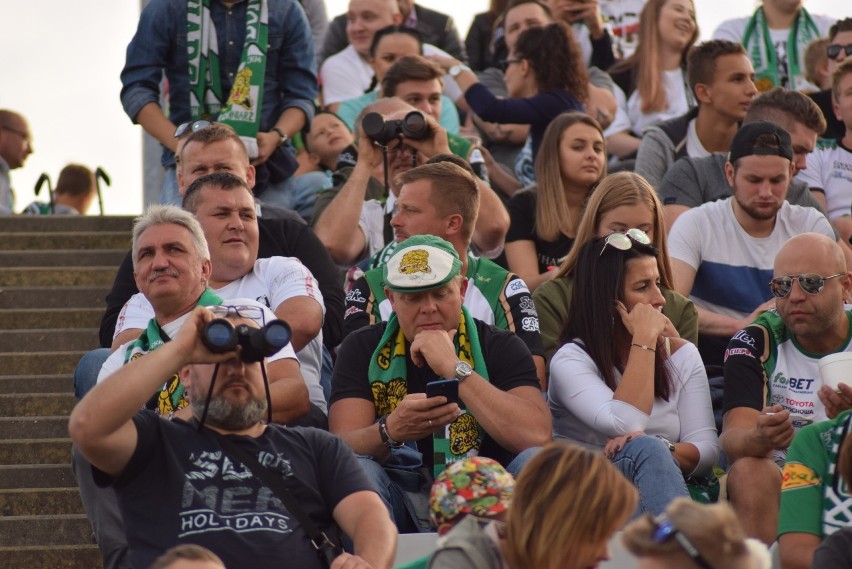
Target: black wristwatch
[282,134]
[386,438]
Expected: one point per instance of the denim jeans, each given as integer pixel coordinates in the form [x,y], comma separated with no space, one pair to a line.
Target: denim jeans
[170,195]
[87,370]
[648,463]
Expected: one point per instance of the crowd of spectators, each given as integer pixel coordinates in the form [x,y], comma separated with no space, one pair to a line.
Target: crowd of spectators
[580,249]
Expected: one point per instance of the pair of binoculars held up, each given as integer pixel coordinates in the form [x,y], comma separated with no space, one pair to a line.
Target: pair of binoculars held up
[221,335]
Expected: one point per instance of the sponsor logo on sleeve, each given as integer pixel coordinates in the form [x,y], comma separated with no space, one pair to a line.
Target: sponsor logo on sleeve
[797,475]
[529,324]
[352,310]
[354,295]
[516,287]
[738,352]
[744,337]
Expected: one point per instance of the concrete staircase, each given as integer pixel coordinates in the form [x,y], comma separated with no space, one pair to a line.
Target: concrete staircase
[54,275]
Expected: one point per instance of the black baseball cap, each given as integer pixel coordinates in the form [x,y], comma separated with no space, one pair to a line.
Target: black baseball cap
[744,140]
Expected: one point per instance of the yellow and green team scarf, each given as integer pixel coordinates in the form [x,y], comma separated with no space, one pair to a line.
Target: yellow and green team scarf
[388,381]
[242,108]
[170,397]
[758,43]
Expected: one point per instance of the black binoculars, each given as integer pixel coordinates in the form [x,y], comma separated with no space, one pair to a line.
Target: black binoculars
[412,126]
[221,335]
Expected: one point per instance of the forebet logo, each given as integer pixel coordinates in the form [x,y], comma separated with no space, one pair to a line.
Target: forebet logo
[516,287]
[794,383]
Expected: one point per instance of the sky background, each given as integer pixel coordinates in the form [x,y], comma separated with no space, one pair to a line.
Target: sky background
[61,62]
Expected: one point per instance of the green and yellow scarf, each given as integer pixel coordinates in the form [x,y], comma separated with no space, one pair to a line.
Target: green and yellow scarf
[388,381]
[758,43]
[242,108]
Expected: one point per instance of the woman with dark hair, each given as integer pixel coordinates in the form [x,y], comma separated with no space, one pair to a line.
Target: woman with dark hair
[544,76]
[619,384]
[545,217]
[652,81]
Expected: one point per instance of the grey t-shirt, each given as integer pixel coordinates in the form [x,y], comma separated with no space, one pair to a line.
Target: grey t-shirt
[694,181]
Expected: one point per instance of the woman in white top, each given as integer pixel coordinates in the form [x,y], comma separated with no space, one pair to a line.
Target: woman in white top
[619,385]
[652,82]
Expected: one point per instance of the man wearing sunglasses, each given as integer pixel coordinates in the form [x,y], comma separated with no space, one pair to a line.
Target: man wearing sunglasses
[772,380]
[830,169]
[839,48]
[16,144]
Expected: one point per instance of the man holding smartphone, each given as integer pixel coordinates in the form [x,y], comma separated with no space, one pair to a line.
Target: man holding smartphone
[379,404]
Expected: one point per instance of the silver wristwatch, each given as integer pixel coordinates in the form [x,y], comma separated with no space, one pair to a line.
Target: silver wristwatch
[456,69]
[463,371]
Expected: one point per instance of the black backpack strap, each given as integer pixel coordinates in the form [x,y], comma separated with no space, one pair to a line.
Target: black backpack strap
[326,548]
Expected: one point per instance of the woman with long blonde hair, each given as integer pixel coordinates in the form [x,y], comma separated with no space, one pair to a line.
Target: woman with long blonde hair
[545,217]
[652,82]
[620,202]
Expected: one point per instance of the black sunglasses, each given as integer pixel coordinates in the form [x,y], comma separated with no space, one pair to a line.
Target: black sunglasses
[811,283]
[834,49]
[192,126]
[666,530]
[505,63]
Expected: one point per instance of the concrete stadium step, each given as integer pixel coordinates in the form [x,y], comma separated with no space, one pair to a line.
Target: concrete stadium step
[67,529]
[35,451]
[52,557]
[39,363]
[18,224]
[61,339]
[40,501]
[36,384]
[15,476]
[82,319]
[66,240]
[52,276]
[48,297]
[62,258]
[36,404]
[54,427]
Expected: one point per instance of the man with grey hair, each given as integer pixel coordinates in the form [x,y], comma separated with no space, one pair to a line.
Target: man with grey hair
[172,268]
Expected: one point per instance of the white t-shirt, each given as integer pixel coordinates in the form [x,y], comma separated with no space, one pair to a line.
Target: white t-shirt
[346,75]
[629,115]
[733,269]
[271,282]
[116,359]
[585,411]
[830,168]
[694,148]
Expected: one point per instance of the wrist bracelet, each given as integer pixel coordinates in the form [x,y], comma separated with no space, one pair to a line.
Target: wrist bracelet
[645,347]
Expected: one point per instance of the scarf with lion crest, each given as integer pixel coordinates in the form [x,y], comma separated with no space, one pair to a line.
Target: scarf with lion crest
[171,396]
[758,43]
[242,109]
[388,381]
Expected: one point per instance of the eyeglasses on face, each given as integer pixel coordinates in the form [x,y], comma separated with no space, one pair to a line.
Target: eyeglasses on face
[811,283]
[505,63]
[192,126]
[254,313]
[624,241]
[666,530]
[834,50]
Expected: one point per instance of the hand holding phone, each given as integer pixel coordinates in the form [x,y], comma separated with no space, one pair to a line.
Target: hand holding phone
[448,388]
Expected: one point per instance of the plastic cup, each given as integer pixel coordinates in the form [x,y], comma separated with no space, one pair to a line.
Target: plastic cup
[835,369]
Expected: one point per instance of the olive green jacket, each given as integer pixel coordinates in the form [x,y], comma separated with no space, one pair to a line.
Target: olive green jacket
[553,297]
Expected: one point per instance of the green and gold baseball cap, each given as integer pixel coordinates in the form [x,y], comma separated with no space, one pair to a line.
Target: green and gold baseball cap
[420,263]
